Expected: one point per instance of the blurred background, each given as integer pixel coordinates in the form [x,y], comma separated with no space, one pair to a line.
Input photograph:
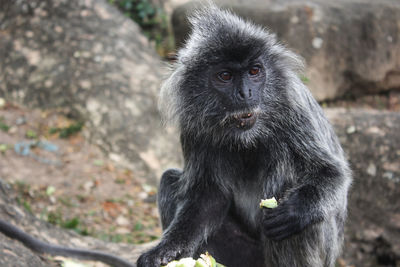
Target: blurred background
[81,140]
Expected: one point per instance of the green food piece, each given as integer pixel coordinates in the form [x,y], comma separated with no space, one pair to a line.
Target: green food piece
[205,260]
[209,260]
[269,203]
[201,263]
[186,262]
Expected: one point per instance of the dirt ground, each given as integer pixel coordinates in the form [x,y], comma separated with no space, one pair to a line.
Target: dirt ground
[71,183]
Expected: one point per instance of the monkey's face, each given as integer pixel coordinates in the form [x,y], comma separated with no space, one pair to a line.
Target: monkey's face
[238,87]
[224,99]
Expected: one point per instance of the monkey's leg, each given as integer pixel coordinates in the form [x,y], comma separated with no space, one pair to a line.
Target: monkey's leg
[316,246]
[167,196]
[233,246]
[189,213]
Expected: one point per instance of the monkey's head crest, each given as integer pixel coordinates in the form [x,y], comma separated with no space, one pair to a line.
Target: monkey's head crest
[208,92]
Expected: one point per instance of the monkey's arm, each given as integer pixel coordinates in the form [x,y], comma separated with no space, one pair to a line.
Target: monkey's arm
[202,212]
[316,196]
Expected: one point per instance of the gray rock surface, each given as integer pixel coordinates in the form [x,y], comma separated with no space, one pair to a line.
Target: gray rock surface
[86,56]
[351,46]
[372,141]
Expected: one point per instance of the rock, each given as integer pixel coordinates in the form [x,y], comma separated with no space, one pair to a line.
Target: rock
[2,103]
[351,47]
[14,254]
[373,226]
[87,56]
[122,221]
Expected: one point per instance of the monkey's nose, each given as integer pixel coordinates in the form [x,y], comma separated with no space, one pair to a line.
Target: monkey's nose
[244,94]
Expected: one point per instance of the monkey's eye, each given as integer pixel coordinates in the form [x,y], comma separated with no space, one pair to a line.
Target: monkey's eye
[225,76]
[254,70]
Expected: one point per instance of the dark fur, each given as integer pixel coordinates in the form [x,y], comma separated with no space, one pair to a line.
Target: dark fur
[291,153]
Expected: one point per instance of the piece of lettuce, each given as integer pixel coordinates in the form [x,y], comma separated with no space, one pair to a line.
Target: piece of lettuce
[205,260]
[269,203]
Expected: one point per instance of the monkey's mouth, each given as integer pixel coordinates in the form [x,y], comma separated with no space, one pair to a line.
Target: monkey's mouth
[245,120]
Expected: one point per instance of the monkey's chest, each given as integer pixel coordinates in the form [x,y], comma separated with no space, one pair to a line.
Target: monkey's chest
[247,204]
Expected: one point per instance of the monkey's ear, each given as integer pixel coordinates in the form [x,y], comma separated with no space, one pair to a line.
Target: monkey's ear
[295,61]
[288,60]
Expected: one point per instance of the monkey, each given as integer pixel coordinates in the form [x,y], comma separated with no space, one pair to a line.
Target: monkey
[45,248]
[249,130]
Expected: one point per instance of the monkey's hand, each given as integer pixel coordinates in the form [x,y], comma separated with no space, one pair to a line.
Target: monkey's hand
[162,254]
[293,215]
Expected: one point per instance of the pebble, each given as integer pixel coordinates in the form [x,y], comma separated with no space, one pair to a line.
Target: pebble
[2,102]
[142,195]
[20,120]
[317,42]
[351,129]
[88,186]
[371,170]
[122,221]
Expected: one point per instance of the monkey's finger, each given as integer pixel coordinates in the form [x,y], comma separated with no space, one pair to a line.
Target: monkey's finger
[276,222]
[274,231]
[290,231]
[285,230]
[147,260]
[169,255]
[272,213]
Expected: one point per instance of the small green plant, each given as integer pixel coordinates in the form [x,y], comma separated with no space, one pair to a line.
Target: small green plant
[3,148]
[98,162]
[117,180]
[27,206]
[24,203]
[50,190]
[66,132]
[31,134]
[66,202]
[3,126]
[151,19]
[304,79]
[71,224]
[138,226]
[56,218]
[21,187]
